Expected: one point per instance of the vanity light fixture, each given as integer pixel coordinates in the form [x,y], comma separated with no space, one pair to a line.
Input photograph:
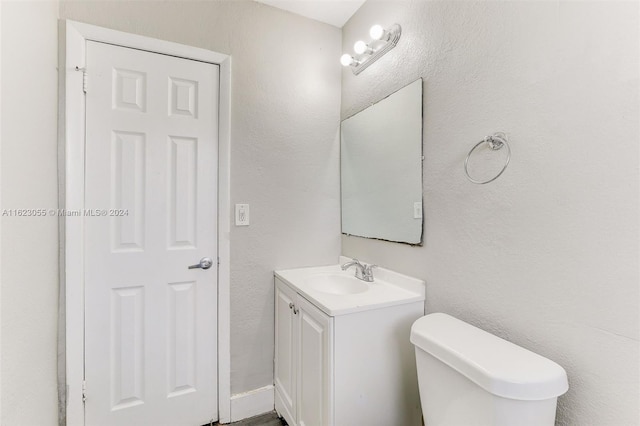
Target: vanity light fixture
[367,53]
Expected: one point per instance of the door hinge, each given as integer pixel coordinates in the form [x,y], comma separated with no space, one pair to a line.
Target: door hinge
[84,391]
[218,260]
[84,78]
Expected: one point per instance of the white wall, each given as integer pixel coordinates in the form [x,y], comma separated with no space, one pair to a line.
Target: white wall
[284,147]
[29,245]
[547,255]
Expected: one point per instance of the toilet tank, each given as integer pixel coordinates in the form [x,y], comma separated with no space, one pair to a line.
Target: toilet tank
[467,376]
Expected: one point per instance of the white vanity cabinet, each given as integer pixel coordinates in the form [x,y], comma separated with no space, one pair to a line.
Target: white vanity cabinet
[344,367]
[304,352]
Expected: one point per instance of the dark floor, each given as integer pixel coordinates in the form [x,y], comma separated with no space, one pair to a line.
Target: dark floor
[269,419]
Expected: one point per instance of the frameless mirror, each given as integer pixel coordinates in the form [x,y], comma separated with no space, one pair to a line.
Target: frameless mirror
[381,169]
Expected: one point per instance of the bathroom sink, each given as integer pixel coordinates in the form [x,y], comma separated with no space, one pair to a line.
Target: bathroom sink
[339,292]
[336,284]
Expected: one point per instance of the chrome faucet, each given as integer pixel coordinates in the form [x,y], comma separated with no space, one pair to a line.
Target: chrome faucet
[364,272]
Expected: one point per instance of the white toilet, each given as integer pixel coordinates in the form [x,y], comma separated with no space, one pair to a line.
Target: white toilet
[469,377]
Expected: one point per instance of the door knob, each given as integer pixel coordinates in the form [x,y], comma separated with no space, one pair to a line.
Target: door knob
[205,263]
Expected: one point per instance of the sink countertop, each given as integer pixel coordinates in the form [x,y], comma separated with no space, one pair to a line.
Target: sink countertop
[388,289]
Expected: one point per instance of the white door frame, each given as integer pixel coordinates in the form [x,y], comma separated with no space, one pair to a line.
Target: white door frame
[71,158]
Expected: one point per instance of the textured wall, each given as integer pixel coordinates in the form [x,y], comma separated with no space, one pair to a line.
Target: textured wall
[29,245]
[547,255]
[284,149]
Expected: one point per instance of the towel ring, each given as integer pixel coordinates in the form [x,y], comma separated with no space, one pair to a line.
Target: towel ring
[495,142]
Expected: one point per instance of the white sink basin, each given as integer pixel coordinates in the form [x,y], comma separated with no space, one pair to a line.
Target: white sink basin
[338,292]
[336,284]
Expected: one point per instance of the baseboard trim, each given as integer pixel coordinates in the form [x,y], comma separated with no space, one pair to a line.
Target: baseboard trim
[252,403]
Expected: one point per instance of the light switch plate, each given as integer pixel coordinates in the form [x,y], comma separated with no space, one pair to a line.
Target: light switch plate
[417,210]
[242,214]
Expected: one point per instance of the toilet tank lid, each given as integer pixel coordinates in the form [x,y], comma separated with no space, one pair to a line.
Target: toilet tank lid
[500,367]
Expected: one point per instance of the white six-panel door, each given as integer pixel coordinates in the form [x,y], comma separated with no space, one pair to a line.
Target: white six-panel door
[151,163]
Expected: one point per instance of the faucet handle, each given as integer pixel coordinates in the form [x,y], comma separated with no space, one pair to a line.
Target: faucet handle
[367,272]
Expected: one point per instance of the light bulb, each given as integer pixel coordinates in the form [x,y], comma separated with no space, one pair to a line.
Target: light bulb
[377,32]
[361,47]
[346,60]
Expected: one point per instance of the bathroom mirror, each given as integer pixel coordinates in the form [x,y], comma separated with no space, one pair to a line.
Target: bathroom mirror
[381,169]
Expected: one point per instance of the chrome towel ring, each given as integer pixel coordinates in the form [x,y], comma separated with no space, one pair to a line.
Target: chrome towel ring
[495,142]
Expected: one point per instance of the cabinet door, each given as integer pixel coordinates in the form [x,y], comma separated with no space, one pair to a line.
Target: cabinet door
[285,352]
[315,363]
